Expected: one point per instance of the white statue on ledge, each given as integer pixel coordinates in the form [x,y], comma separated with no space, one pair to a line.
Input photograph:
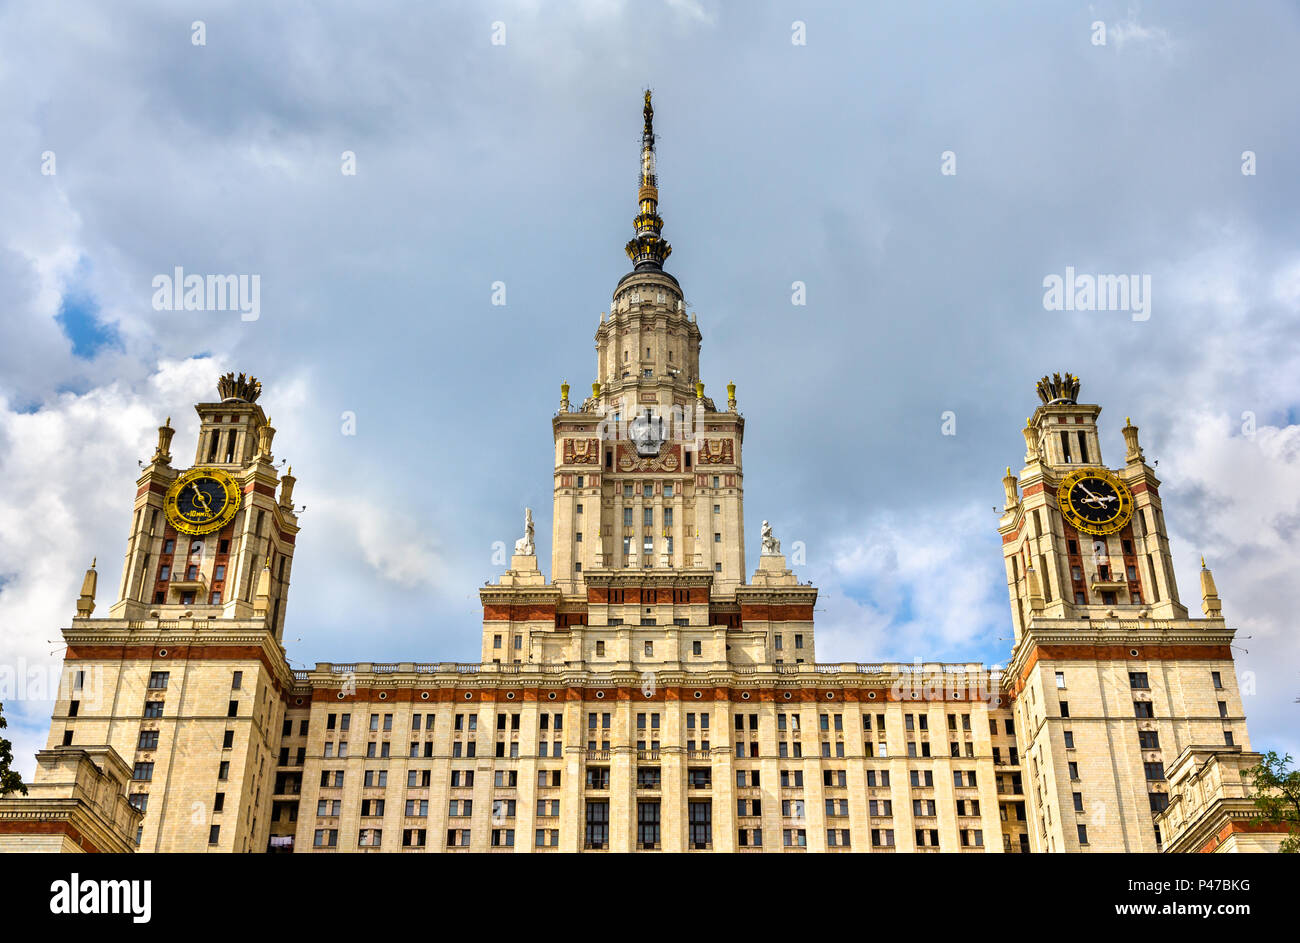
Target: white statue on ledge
[524,546]
[771,546]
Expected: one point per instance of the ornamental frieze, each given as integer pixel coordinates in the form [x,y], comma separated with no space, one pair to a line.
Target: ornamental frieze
[716,452]
[667,460]
[581,451]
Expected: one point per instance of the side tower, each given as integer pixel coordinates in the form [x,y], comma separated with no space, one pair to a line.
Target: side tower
[1111,678]
[186,680]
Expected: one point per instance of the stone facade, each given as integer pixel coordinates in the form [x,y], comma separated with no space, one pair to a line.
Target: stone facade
[649,696]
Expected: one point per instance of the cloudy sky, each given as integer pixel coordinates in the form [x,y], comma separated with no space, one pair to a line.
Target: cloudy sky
[515,162]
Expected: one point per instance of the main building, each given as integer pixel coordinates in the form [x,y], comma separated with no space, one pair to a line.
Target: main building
[653,695]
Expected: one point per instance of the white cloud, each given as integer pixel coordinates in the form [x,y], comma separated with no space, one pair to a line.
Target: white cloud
[921,585]
[1130,33]
[1237,501]
[64,502]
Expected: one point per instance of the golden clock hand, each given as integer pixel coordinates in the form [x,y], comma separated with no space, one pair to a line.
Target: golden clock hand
[201,499]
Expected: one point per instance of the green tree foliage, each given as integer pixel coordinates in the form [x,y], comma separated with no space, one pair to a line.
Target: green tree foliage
[1277,795]
[10,781]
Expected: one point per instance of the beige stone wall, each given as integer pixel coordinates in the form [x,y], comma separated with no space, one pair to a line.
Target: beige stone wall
[187,760]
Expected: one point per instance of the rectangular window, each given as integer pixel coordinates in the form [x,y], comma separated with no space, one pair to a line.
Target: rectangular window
[597,831]
[700,822]
[647,824]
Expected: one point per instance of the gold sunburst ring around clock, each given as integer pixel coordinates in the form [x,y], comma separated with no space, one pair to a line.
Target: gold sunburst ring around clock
[201,501]
[1095,501]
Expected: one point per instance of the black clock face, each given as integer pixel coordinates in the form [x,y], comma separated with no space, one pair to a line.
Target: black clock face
[201,500]
[1095,500]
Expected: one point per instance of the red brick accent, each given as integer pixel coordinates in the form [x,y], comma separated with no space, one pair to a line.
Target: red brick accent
[519,612]
[49,828]
[157,486]
[175,653]
[1246,827]
[773,612]
[370,696]
[1121,653]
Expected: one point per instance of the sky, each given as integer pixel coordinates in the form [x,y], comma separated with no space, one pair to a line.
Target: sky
[798,142]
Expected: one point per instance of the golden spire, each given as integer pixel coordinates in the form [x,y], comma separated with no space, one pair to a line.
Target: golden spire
[647,249]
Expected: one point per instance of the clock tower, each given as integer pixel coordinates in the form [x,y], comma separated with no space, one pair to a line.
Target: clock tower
[1112,681]
[214,541]
[184,681]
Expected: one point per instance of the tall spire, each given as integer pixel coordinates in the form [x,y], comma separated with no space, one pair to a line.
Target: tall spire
[648,249]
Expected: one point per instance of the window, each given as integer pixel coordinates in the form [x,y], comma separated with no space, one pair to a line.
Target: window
[1149,740]
[1138,680]
[151,709]
[597,833]
[148,740]
[647,824]
[143,772]
[1154,771]
[696,648]
[1083,834]
[158,680]
[1060,679]
[700,819]
[236,681]
[214,834]
[1069,739]
[1074,770]
[1143,709]
[1217,679]
[1065,708]
[647,777]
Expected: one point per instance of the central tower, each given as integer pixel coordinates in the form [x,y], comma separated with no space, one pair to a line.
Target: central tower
[648,470]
